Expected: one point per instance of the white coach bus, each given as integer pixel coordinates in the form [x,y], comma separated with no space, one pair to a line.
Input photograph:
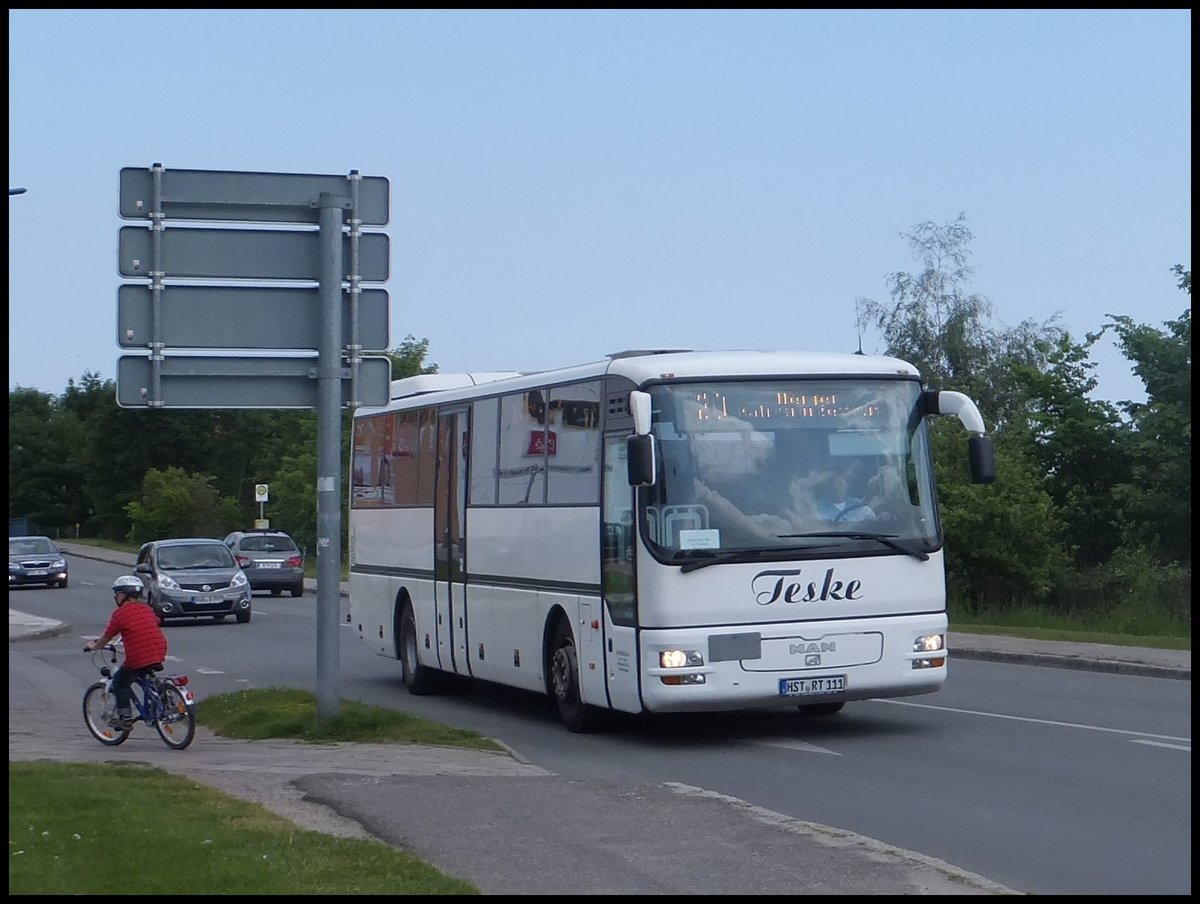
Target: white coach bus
[661,531]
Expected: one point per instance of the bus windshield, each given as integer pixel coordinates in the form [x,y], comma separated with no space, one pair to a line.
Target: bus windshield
[795,464]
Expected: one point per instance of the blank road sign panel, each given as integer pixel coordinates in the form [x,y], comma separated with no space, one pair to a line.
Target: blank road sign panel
[242,382]
[245,254]
[243,317]
[246,196]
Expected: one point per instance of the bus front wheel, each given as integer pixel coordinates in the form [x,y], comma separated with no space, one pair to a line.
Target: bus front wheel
[564,680]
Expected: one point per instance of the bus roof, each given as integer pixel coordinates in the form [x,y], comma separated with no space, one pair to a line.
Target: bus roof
[423,383]
[649,365]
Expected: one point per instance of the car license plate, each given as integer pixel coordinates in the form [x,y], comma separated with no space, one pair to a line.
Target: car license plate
[38,574]
[207,598]
[268,564]
[804,687]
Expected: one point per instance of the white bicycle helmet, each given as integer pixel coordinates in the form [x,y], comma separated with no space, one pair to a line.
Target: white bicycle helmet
[129,584]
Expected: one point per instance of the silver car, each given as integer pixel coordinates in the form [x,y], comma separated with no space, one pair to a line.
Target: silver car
[271,559]
[193,577]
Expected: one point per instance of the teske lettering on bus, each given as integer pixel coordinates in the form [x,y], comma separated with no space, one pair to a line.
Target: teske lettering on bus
[799,592]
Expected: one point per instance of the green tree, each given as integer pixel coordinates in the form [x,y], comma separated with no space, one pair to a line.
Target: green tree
[1079,444]
[408,358]
[1157,499]
[293,506]
[175,503]
[1004,541]
[39,444]
[116,455]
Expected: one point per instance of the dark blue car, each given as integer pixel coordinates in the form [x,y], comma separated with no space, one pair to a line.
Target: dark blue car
[36,560]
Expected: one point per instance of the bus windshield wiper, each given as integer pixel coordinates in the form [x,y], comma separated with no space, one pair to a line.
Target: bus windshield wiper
[702,558]
[904,546]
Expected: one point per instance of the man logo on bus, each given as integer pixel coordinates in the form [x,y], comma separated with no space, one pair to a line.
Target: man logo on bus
[811,647]
[798,591]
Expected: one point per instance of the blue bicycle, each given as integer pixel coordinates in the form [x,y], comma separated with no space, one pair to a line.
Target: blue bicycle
[163,701]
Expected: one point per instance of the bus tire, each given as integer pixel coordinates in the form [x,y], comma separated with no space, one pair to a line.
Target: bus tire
[419,679]
[576,715]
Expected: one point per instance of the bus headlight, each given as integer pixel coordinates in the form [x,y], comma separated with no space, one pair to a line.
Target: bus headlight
[681,659]
[929,643]
[678,659]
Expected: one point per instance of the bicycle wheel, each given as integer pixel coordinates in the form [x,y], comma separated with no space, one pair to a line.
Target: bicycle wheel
[98,706]
[176,723]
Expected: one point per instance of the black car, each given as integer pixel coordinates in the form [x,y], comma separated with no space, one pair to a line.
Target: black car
[270,558]
[36,560]
[193,577]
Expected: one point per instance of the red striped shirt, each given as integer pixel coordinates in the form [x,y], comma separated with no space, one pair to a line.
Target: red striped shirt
[145,643]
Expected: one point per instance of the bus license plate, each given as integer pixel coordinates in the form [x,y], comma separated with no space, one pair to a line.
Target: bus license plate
[207,598]
[804,687]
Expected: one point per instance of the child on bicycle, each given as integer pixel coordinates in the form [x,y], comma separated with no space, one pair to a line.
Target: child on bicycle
[145,644]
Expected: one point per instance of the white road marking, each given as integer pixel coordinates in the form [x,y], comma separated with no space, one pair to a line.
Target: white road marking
[797,745]
[1161,744]
[975,712]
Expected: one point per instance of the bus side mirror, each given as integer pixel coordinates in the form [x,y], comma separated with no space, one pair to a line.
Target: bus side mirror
[981,455]
[639,454]
[983,459]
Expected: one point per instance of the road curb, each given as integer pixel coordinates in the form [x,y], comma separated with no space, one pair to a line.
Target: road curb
[39,632]
[1074,662]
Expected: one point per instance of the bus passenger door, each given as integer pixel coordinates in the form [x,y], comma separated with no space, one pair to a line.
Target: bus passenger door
[618,574]
[449,541]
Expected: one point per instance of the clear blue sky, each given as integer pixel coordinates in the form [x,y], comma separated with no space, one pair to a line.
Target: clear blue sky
[566,184]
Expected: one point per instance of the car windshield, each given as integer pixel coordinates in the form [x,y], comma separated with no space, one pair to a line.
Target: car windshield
[181,558]
[268,544]
[33,546]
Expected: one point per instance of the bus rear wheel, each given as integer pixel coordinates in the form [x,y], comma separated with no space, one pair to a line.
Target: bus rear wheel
[564,681]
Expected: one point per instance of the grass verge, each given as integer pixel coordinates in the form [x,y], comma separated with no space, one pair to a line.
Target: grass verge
[66,821]
[282,712]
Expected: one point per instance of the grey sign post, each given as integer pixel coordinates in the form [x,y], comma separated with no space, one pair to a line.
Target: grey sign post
[285,345]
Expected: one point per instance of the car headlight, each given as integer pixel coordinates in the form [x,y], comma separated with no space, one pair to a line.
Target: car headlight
[239,580]
[13,566]
[58,563]
[167,583]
